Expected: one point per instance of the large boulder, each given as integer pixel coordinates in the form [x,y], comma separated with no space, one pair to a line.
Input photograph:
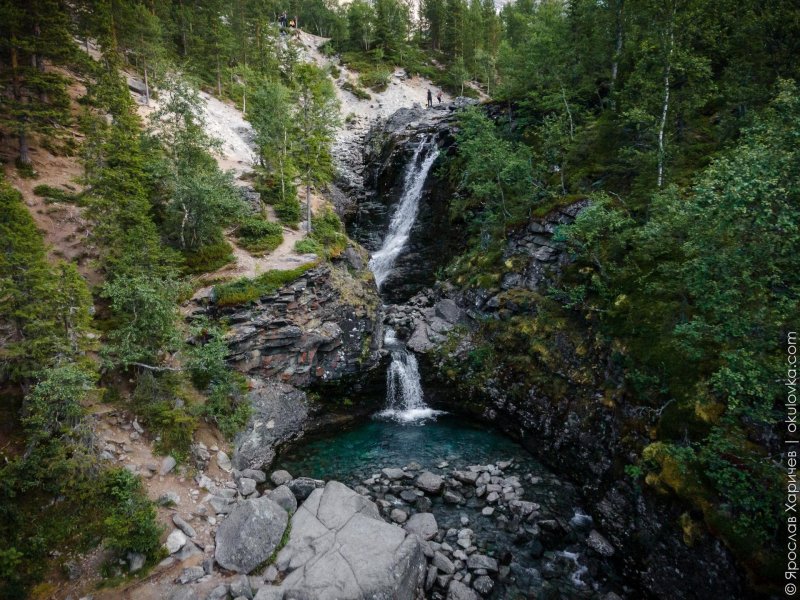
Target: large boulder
[250,534]
[339,548]
[279,415]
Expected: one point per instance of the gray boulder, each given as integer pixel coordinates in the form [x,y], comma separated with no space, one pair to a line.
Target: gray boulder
[283,497]
[422,524]
[250,534]
[303,486]
[281,477]
[460,591]
[279,415]
[429,482]
[340,548]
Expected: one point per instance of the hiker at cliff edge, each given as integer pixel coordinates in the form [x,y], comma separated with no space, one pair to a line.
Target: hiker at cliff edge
[430,99]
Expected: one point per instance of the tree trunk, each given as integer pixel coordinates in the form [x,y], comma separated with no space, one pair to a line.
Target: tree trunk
[146,86]
[618,46]
[219,79]
[308,200]
[24,150]
[665,106]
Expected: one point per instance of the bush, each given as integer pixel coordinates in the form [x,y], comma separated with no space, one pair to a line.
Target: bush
[54,194]
[376,78]
[289,211]
[157,401]
[209,258]
[246,290]
[227,404]
[259,236]
[131,524]
[327,230]
[356,90]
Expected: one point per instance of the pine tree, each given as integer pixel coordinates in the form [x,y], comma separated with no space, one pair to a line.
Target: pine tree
[33,33]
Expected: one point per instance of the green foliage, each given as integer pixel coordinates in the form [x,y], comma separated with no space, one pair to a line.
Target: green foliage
[131,524]
[308,245]
[44,310]
[246,290]
[209,257]
[54,194]
[327,234]
[160,401]
[145,309]
[289,211]
[259,236]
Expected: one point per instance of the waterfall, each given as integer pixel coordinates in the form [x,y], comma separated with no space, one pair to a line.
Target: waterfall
[405,400]
[383,260]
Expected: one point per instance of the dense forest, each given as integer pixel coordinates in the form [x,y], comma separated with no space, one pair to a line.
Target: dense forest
[678,119]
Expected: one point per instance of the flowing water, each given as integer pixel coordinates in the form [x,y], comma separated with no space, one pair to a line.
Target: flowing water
[405,215]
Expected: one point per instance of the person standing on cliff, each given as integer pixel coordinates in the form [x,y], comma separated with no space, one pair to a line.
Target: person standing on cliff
[430,99]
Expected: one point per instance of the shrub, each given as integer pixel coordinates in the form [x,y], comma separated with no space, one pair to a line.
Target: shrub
[327,230]
[227,404]
[209,258]
[131,523]
[54,194]
[356,90]
[376,78]
[259,236]
[289,211]
[157,400]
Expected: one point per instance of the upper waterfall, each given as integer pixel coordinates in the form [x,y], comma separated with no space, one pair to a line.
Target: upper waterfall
[405,215]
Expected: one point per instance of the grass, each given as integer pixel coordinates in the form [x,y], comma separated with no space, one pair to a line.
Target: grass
[246,290]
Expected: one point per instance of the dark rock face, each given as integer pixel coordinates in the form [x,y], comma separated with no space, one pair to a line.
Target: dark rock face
[389,147]
[322,327]
[579,434]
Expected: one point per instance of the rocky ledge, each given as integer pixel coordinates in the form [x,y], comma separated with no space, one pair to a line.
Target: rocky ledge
[321,327]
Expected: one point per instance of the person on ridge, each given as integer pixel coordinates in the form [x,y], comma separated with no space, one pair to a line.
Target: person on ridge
[439,96]
[430,99]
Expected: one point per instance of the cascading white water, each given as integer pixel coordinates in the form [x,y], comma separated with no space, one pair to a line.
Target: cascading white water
[383,260]
[405,400]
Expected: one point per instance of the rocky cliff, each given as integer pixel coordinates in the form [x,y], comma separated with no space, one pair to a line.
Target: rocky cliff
[517,366]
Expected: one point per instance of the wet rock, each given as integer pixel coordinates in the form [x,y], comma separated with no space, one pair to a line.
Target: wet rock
[453,497]
[303,486]
[429,482]
[249,535]
[481,561]
[483,584]
[394,474]
[398,516]
[599,544]
[422,524]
